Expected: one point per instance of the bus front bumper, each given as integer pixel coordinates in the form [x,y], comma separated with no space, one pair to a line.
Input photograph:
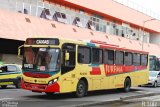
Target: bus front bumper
[40,87]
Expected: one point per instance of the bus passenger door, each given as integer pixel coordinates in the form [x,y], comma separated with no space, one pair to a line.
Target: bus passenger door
[67,67]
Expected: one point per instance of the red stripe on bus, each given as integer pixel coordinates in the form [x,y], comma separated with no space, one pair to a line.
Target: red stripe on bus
[36,75]
[40,87]
[118,69]
[95,71]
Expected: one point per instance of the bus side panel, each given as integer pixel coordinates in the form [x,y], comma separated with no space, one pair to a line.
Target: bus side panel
[139,77]
[83,71]
[68,82]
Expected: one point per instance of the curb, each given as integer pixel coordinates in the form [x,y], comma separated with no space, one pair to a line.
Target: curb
[139,96]
[97,103]
[117,100]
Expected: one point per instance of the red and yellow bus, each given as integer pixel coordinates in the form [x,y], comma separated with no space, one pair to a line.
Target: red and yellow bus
[54,65]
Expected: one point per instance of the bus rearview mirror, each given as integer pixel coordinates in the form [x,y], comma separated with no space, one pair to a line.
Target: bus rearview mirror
[19,52]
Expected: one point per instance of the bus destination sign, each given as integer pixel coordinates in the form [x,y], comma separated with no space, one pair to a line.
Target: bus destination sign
[42,41]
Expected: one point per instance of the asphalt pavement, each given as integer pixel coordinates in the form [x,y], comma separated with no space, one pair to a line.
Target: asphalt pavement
[24,98]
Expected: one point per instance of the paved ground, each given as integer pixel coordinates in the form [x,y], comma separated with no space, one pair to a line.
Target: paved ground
[30,99]
[152,101]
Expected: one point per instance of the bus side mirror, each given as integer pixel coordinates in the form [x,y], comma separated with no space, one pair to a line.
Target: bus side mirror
[19,52]
[67,56]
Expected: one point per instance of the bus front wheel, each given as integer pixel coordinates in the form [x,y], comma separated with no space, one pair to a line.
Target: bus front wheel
[81,89]
[127,85]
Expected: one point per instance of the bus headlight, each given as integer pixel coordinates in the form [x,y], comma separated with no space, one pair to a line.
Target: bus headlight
[55,80]
[52,81]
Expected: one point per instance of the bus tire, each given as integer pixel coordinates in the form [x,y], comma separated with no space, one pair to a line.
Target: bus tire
[3,86]
[127,84]
[81,89]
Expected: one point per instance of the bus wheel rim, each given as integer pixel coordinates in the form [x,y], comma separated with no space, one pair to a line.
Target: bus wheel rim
[81,88]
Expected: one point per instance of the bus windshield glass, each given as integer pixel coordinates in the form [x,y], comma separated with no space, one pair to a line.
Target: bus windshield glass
[41,59]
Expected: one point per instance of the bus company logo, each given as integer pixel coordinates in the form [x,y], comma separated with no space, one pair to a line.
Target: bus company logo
[42,42]
[112,69]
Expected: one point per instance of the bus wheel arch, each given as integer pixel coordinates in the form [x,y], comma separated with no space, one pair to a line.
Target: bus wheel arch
[127,84]
[82,87]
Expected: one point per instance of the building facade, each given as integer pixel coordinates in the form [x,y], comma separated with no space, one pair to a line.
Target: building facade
[104,20]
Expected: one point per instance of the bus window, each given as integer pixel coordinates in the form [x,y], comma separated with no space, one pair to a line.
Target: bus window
[84,55]
[136,59]
[119,57]
[128,58]
[157,64]
[108,57]
[41,59]
[68,65]
[144,60]
[96,56]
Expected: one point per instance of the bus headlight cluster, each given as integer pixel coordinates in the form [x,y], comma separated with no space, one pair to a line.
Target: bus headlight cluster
[52,81]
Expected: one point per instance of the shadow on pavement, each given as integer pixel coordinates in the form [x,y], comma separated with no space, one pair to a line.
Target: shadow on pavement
[149,87]
[72,95]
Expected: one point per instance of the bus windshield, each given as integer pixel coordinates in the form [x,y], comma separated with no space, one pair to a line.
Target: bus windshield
[41,59]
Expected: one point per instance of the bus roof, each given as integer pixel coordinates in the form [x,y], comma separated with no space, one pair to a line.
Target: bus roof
[91,43]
